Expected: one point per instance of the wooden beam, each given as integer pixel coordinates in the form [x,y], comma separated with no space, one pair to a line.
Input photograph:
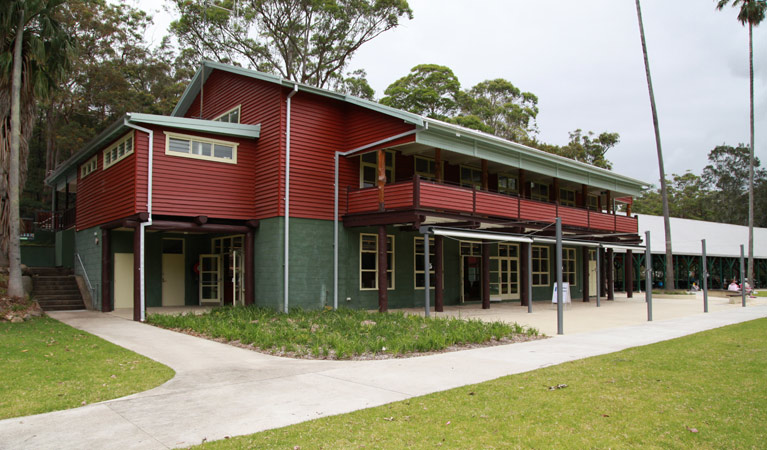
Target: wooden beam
[438,165]
[137,274]
[383,280]
[106,271]
[126,222]
[610,267]
[485,275]
[628,264]
[381,178]
[525,248]
[252,223]
[172,225]
[439,301]
[249,264]
[200,220]
[585,272]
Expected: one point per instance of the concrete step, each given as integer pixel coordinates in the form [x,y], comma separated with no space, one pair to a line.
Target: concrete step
[50,271]
[53,297]
[63,306]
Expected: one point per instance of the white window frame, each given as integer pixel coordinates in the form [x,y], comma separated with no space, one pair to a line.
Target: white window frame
[389,270]
[543,264]
[417,255]
[89,166]
[237,108]
[114,149]
[190,138]
[364,164]
[569,265]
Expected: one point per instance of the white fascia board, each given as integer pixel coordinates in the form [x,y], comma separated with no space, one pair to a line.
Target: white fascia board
[568,242]
[199,125]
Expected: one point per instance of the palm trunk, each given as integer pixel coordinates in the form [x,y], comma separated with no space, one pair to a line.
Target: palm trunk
[663,191]
[15,287]
[751,160]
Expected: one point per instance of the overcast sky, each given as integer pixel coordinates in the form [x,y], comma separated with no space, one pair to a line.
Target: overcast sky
[584,62]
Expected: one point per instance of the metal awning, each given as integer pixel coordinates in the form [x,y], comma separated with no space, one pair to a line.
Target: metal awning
[475,234]
[570,242]
[623,247]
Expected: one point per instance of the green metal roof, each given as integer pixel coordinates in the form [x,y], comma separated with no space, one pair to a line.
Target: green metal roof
[447,136]
[67,170]
[466,141]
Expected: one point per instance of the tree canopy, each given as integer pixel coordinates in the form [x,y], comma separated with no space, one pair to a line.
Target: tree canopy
[429,90]
[719,194]
[310,41]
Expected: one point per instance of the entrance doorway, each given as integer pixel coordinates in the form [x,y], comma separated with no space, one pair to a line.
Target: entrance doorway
[471,271]
[504,273]
[173,292]
[231,251]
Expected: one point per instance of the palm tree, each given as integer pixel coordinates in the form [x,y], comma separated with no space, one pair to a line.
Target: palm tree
[663,190]
[751,12]
[35,52]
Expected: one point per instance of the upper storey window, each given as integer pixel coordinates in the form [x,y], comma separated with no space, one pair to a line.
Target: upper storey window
[118,151]
[88,167]
[369,168]
[200,148]
[231,116]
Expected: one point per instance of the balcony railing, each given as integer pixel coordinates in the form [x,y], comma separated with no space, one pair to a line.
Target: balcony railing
[419,194]
[60,220]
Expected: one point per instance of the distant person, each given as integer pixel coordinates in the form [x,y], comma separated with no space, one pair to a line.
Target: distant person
[733,286]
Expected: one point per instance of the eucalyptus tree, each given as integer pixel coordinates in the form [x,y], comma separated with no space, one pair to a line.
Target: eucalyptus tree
[429,89]
[503,107]
[669,283]
[309,41]
[752,13]
[34,53]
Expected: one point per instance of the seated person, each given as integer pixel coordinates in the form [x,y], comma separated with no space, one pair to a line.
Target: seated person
[733,286]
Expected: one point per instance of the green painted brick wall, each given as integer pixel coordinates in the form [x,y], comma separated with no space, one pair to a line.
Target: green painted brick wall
[65,248]
[38,255]
[90,253]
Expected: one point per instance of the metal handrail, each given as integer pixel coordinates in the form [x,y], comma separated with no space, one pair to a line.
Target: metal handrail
[85,272]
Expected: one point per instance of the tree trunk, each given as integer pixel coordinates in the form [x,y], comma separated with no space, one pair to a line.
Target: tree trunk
[663,191]
[15,288]
[751,159]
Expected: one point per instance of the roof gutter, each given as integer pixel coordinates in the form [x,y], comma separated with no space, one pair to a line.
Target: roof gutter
[287,202]
[141,228]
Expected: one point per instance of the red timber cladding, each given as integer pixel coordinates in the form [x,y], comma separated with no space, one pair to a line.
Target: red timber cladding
[601,221]
[107,195]
[574,216]
[320,127]
[364,200]
[626,224]
[261,103]
[399,195]
[191,187]
[500,205]
[538,211]
[446,197]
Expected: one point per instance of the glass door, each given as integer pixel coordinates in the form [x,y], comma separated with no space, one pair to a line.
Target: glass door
[238,287]
[210,279]
[504,273]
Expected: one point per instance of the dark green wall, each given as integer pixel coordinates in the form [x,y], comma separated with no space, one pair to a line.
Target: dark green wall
[65,248]
[38,255]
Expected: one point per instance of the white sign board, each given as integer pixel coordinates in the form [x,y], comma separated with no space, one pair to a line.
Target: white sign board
[565,293]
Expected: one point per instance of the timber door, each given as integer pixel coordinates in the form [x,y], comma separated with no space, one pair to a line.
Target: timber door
[471,271]
[504,273]
[173,292]
[123,280]
[210,279]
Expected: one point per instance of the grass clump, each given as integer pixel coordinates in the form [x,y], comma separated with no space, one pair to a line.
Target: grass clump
[48,366]
[341,334]
[704,391]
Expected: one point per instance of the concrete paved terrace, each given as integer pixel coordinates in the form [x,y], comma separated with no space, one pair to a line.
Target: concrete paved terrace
[220,390]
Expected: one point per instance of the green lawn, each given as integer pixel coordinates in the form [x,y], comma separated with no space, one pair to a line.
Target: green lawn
[339,334]
[48,366]
[705,391]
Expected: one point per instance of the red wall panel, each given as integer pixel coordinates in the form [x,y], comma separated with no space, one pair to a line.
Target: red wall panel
[107,195]
[261,103]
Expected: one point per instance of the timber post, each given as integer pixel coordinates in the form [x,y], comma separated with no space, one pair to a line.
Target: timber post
[485,275]
[585,272]
[106,271]
[439,281]
[629,277]
[383,281]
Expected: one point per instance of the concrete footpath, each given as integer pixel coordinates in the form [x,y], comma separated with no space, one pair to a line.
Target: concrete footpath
[221,391]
